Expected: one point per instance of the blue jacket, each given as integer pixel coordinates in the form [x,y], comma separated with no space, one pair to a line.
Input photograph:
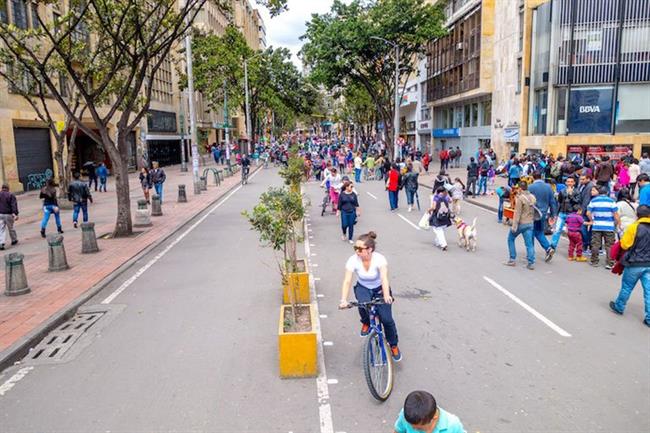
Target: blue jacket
[544,196]
[102,171]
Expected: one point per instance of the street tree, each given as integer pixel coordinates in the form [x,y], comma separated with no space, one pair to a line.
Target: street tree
[341,48]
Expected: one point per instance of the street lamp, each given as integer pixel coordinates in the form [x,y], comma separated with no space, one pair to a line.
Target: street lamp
[397,98]
[193,132]
[248,113]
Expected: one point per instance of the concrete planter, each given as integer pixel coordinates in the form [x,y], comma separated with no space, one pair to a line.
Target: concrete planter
[298,351]
[297,284]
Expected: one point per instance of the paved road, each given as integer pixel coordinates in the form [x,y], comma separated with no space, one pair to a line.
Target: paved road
[190,344]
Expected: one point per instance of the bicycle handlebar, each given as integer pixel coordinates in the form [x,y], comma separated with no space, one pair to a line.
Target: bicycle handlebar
[353,304]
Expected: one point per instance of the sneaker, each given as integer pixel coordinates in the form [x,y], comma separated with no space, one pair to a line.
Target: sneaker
[609,266]
[594,264]
[510,263]
[365,330]
[60,230]
[74,224]
[444,248]
[2,247]
[42,233]
[530,267]
[570,259]
[351,242]
[612,307]
[14,242]
[646,323]
[549,254]
[343,238]
[395,353]
[581,259]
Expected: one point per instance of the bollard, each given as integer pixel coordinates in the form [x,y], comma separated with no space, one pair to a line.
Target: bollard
[156,207]
[88,238]
[142,217]
[182,195]
[15,278]
[203,181]
[56,253]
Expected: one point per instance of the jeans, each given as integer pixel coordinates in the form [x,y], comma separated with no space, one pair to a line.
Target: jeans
[384,311]
[347,223]
[159,190]
[538,233]
[482,184]
[392,199]
[357,175]
[102,184]
[631,276]
[559,225]
[47,211]
[410,196]
[586,236]
[84,210]
[471,185]
[500,210]
[526,230]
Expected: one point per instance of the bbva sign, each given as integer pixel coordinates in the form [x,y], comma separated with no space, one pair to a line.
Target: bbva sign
[589,109]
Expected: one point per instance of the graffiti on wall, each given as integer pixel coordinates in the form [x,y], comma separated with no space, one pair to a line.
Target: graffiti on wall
[37,180]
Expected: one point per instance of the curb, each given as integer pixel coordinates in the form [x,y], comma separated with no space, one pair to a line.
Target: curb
[20,348]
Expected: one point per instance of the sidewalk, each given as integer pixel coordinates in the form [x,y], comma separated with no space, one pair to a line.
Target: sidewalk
[51,292]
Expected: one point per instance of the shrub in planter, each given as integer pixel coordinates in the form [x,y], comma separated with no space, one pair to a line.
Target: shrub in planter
[297,342]
[293,173]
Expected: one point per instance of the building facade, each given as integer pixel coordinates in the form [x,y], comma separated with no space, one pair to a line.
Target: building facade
[586,77]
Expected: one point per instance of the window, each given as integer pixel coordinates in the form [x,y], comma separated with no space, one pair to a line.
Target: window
[34,14]
[459,117]
[475,114]
[56,17]
[486,115]
[519,78]
[3,11]
[19,13]
[539,112]
[468,116]
[63,85]
[560,125]
[633,114]
[521,28]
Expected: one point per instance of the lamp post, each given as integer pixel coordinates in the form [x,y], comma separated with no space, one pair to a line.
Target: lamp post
[193,132]
[248,113]
[397,99]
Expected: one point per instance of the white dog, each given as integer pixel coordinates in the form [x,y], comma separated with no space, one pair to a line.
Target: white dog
[466,234]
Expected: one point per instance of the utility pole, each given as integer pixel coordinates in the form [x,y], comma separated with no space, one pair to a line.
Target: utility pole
[248,112]
[226,123]
[193,132]
[183,132]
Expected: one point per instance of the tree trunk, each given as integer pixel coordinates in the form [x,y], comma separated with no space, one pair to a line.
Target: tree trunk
[123,223]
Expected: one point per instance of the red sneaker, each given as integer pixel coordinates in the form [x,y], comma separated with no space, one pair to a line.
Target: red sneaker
[365,330]
[396,354]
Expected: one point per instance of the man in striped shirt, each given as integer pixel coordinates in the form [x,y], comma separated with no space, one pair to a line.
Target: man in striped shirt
[603,214]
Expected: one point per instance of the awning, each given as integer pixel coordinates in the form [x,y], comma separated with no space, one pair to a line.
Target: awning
[162,137]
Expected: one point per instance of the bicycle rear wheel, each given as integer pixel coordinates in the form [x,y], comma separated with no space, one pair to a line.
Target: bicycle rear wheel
[378,367]
[324,206]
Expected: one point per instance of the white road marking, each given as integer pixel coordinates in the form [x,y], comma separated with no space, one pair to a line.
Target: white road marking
[328,343]
[312,245]
[371,195]
[125,285]
[323,316]
[322,387]
[408,221]
[315,265]
[528,308]
[332,381]
[13,380]
[313,254]
[320,295]
[316,278]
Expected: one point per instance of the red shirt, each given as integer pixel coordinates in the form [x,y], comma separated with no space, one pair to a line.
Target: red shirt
[393,180]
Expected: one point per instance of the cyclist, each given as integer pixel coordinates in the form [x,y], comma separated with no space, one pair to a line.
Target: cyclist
[333,183]
[245,166]
[371,270]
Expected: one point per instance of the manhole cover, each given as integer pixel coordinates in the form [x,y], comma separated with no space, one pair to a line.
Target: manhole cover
[57,343]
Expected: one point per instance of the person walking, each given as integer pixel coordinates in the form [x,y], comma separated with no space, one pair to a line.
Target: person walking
[514,173]
[158,178]
[584,198]
[472,176]
[358,167]
[50,206]
[440,217]
[457,196]
[411,185]
[145,182]
[636,261]
[634,171]
[522,224]
[90,168]
[102,173]
[568,199]
[371,270]
[392,186]
[626,209]
[484,168]
[459,154]
[8,214]
[604,219]
[604,173]
[348,210]
[79,194]
[547,205]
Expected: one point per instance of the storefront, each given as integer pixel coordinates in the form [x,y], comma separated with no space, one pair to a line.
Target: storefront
[511,138]
[584,152]
[163,143]
[424,136]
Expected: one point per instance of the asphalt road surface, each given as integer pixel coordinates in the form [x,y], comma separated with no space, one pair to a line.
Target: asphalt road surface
[189,339]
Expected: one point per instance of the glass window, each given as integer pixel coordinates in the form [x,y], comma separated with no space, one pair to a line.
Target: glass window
[3,11]
[633,109]
[486,119]
[519,78]
[475,114]
[459,117]
[63,85]
[34,14]
[468,116]
[521,28]
[19,13]
[560,125]
[539,112]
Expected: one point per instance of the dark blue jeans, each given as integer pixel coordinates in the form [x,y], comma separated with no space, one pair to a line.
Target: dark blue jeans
[538,233]
[75,212]
[392,199]
[347,223]
[384,311]
[410,196]
[500,210]
[357,175]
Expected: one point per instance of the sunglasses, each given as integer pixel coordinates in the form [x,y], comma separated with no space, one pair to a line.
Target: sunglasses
[358,249]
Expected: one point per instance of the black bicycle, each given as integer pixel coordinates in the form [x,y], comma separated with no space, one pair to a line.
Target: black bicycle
[377,362]
[244,175]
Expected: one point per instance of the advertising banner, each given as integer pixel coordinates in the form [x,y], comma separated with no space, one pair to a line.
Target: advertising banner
[590,111]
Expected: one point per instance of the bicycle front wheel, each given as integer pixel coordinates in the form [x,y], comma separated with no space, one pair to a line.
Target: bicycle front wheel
[378,367]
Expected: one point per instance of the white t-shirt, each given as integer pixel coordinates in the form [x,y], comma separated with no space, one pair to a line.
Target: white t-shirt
[358,162]
[370,278]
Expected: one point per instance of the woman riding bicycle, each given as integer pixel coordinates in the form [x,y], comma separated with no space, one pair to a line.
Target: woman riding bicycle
[371,270]
[333,185]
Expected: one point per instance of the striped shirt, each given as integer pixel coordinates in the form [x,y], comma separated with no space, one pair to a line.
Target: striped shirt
[602,209]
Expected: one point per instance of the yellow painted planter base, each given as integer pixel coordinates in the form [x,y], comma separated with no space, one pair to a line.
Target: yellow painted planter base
[298,352]
[298,286]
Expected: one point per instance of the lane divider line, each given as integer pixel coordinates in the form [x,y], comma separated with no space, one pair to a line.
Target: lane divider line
[371,195]
[528,308]
[125,285]
[13,380]
[408,221]
[328,343]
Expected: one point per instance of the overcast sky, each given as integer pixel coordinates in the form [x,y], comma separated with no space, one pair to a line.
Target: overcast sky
[285,30]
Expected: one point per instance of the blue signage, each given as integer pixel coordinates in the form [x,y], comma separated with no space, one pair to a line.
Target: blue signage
[445,132]
[590,111]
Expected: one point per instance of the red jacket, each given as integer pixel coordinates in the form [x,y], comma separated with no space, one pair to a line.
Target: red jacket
[393,180]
